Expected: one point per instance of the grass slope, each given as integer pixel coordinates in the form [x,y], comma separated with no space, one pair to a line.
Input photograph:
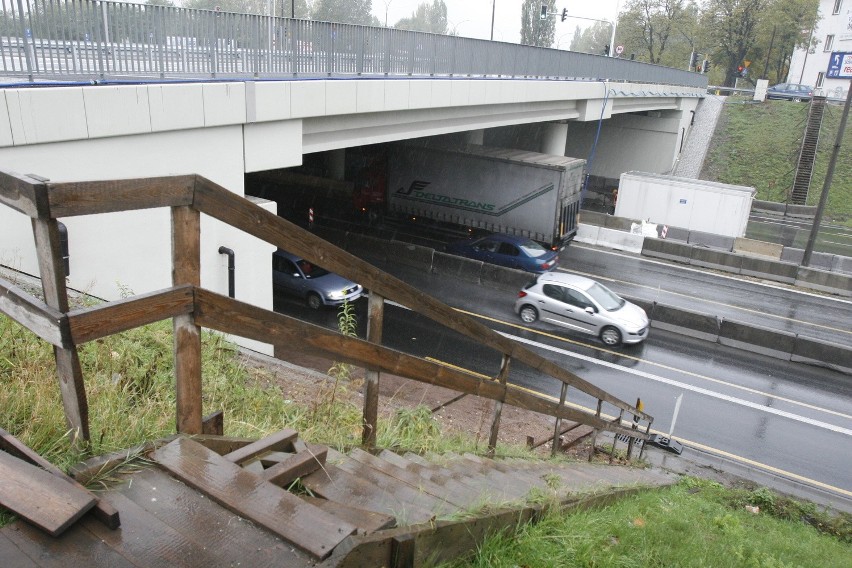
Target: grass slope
[758,145]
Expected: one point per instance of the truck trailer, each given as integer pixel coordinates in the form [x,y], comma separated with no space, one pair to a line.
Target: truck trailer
[498,190]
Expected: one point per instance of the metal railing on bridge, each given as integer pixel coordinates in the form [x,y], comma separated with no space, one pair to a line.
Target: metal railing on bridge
[103,40]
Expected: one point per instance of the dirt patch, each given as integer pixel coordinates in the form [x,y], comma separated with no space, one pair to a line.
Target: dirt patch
[303,377]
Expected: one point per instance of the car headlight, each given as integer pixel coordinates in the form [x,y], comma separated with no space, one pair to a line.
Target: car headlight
[339,295]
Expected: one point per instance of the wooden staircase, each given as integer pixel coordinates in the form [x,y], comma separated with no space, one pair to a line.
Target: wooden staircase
[807,153]
[218,501]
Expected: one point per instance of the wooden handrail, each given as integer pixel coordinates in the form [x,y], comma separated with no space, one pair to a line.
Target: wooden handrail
[110,196]
[227,315]
[94,322]
[18,192]
[32,313]
[218,202]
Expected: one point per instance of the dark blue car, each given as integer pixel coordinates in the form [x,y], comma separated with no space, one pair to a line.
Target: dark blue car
[507,250]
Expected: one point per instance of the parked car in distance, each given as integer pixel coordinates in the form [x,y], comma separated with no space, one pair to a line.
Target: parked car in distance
[317,286]
[507,250]
[582,304]
[790,92]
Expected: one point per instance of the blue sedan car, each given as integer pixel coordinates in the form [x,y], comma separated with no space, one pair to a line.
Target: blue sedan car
[507,250]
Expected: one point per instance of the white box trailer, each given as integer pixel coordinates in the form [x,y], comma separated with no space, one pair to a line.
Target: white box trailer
[693,204]
[495,189]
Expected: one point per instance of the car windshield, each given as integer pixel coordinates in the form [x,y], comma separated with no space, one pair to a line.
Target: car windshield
[607,299]
[532,249]
[311,270]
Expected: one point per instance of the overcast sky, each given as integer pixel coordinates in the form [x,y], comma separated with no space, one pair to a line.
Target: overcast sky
[472,18]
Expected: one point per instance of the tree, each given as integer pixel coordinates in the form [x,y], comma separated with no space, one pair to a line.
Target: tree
[430,18]
[733,24]
[593,39]
[786,26]
[534,30]
[648,26]
[344,11]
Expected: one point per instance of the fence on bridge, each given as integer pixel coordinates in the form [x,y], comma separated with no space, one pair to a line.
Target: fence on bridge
[92,39]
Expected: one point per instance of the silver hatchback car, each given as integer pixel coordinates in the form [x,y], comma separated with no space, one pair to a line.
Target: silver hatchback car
[317,286]
[581,304]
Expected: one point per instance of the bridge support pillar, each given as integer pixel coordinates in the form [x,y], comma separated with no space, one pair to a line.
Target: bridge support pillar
[554,138]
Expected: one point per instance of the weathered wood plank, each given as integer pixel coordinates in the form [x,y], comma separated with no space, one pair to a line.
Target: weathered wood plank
[31,312]
[375,317]
[214,423]
[68,370]
[222,444]
[366,521]
[281,512]
[295,466]
[337,485]
[40,497]
[85,198]
[17,192]
[239,318]
[230,539]
[186,270]
[277,441]
[230,208]
[99,321]
[102,510]
[11,555]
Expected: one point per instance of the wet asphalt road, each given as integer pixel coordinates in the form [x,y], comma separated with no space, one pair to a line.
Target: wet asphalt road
[787,419]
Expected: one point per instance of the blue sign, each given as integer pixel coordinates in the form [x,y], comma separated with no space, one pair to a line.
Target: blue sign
[840,65]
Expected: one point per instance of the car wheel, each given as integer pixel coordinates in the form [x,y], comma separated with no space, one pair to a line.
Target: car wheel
[314,301]
[528,314]
[797,99]
[611,336]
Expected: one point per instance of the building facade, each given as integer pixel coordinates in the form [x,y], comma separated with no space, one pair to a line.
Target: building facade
[834,33]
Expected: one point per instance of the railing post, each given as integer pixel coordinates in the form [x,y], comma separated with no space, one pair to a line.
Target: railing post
[615,436]
[498,407]
[642,447]
[186,255]
[68,370]
[557,443]
[375,315]
[634,426]
[595,435]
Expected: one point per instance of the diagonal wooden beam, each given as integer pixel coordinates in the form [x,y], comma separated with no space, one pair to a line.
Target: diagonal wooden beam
[32,313]
[86,198]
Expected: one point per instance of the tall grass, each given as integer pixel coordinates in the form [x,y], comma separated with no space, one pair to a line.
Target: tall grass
[758,145]
[693,524]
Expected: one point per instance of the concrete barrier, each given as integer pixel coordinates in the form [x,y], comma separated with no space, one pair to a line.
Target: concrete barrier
[509,279]
[815,351]
[677,234]
[460,267]
[842,264]
[363,246]
[758,248]
[769,269]
[716,259]
[800,211]
[593,218]
[587,234]
[668,250]
[410,255]
[824,281]
[619,223]
[620,240]
[770,206]
[755,339]
[710,240]
[691,324]
[818,259]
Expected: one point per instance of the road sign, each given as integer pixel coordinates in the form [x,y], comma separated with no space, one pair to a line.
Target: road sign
[619,49]
[840,65]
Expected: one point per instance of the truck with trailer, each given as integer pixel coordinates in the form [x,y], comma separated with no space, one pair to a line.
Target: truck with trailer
[491,189]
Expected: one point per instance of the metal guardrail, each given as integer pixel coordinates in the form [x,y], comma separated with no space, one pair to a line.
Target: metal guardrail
[89,39]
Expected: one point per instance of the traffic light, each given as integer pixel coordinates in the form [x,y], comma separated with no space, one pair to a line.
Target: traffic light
[705,66]
[564,13]
[742,71]
[693,60]
[543,15]
[606,49]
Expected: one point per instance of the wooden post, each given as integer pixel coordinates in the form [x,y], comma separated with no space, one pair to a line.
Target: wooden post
[595,435]
[557,443]
[615,436]
[634,426]
[645,442]
[375,316]
[186,269]
[498,407]
[46,234]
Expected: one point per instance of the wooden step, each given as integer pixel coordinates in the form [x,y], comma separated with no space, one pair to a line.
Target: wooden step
[245,493]
[43,499]
[461,492]
[366,521]
[335,484]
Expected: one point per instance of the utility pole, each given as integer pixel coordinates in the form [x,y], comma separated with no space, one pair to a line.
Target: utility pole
[809,249]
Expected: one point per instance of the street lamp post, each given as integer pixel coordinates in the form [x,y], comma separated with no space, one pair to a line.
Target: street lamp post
[387,5]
